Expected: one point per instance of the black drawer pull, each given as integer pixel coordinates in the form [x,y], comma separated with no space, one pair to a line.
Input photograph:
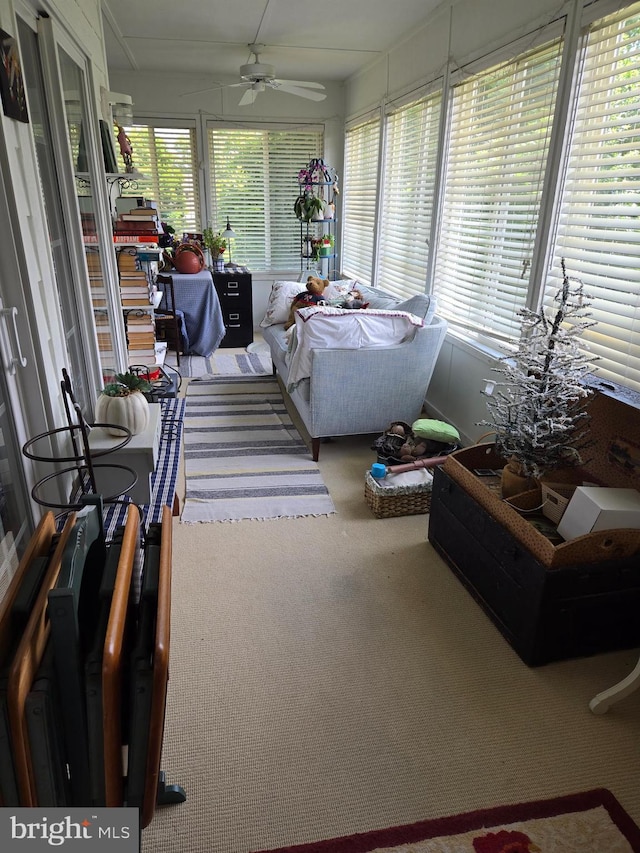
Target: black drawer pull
[233,326]
[234,316]
[232,294]
[232,284]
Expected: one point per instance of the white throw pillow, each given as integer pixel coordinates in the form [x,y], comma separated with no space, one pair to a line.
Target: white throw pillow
[280,299]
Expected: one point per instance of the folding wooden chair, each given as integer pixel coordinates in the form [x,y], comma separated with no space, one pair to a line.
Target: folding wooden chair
[168,318]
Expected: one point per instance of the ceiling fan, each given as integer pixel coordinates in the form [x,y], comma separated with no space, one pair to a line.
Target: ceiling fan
[258,76]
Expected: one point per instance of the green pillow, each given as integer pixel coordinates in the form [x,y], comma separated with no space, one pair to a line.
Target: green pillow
[436,431]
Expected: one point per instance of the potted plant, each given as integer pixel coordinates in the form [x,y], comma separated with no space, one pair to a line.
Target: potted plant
[216,244]
[308,207]
[326,245]
[122,403]
[538,411]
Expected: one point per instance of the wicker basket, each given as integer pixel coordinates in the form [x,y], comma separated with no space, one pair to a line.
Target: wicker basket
[392,502]
[555,497]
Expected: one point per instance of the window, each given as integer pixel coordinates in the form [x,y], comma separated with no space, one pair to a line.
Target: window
[361,154]
[407,196]
[499,137]
[597,232]
[254,183]
[167,159]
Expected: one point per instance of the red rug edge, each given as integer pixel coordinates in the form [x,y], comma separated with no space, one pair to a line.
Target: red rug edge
[483,818]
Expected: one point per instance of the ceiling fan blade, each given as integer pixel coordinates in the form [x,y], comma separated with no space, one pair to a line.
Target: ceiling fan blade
[248,98]
[305,84]
[235,85]
[296,90]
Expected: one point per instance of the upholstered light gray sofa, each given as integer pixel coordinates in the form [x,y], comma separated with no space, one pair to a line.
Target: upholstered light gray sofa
[358,391]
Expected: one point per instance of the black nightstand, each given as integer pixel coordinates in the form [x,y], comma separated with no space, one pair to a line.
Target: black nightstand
[234,293]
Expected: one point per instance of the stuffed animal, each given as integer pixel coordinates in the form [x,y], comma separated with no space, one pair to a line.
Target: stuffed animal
[353,300]
[311,296]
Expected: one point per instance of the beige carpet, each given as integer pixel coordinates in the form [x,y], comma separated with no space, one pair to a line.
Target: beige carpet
[331,676]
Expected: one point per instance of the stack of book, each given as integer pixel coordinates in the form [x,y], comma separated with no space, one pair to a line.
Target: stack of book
[138,225]
[134,289]
[141,338]
[135,295]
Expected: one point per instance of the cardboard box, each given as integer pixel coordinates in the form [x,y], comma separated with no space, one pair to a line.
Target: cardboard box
[594,508]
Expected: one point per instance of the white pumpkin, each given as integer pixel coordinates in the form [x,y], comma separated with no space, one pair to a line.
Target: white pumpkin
[131,411]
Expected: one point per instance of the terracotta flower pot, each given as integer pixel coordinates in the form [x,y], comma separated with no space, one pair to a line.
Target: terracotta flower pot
[514,481]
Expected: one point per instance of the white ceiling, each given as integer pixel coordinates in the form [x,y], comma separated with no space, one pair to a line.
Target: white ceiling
[317,40]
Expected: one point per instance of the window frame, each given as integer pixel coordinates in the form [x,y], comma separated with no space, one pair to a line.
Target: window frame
[248,231]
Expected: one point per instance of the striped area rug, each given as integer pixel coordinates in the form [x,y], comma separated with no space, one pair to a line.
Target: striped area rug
[243,456]
[222,363]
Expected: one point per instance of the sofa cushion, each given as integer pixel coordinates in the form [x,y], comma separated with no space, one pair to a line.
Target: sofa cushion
[377,298]
[280,300]
[421,305]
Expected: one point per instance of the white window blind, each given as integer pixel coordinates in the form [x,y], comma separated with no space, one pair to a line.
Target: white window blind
[407,196]
[361,156]
[166,157]
[254,182]
[500,128]
[598,231]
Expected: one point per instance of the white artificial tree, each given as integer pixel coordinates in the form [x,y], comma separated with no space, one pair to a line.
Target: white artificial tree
[538,411]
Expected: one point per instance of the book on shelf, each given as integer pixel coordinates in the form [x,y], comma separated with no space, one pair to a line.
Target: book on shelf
[141,341]
[139,294]
[131,240]
[136,234]
[136,238]
[127,259]
[135,224]
[137,213]
[145,356]
[136,298]
[135,290]
[133,275]
[139,320]
[146,328]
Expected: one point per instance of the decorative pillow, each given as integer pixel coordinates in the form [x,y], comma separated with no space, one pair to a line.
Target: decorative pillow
[436,431]
[280,299]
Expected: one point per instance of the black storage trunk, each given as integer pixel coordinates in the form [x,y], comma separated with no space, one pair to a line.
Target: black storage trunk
[546,614]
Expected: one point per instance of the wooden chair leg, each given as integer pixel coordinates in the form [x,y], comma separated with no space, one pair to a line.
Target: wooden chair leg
[315,449]
[178,336]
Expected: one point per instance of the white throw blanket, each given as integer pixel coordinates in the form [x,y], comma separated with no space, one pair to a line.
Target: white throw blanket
[322,327]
